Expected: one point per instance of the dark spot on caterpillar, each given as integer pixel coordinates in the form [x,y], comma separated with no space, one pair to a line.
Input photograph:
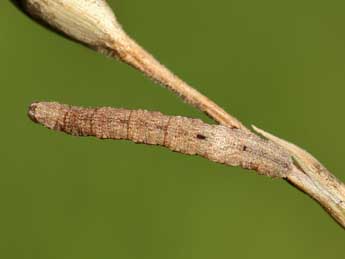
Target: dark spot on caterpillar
[199,136]
[244,148]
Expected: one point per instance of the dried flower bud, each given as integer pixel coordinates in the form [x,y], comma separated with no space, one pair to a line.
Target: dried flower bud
[91,22]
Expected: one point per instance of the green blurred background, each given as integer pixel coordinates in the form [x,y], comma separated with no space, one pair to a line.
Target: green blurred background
[276,64]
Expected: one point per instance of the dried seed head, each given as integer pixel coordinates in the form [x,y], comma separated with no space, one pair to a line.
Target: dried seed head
[91,22]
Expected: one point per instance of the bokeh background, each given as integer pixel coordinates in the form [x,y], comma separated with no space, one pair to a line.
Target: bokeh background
[277,64]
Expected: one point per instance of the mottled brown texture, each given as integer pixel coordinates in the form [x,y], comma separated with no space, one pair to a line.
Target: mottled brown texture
[217,143]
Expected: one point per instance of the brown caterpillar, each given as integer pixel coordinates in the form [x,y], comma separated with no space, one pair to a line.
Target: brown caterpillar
[220,144]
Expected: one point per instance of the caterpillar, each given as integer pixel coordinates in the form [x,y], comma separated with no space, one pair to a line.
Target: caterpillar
[221,144]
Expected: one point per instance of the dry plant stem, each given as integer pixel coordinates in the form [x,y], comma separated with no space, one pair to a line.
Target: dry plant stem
[311,177]
[137,57]
[329,194]
[94,24]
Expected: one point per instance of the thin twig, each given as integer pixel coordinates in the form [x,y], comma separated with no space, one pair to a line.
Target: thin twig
[93,24]
[310,176]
